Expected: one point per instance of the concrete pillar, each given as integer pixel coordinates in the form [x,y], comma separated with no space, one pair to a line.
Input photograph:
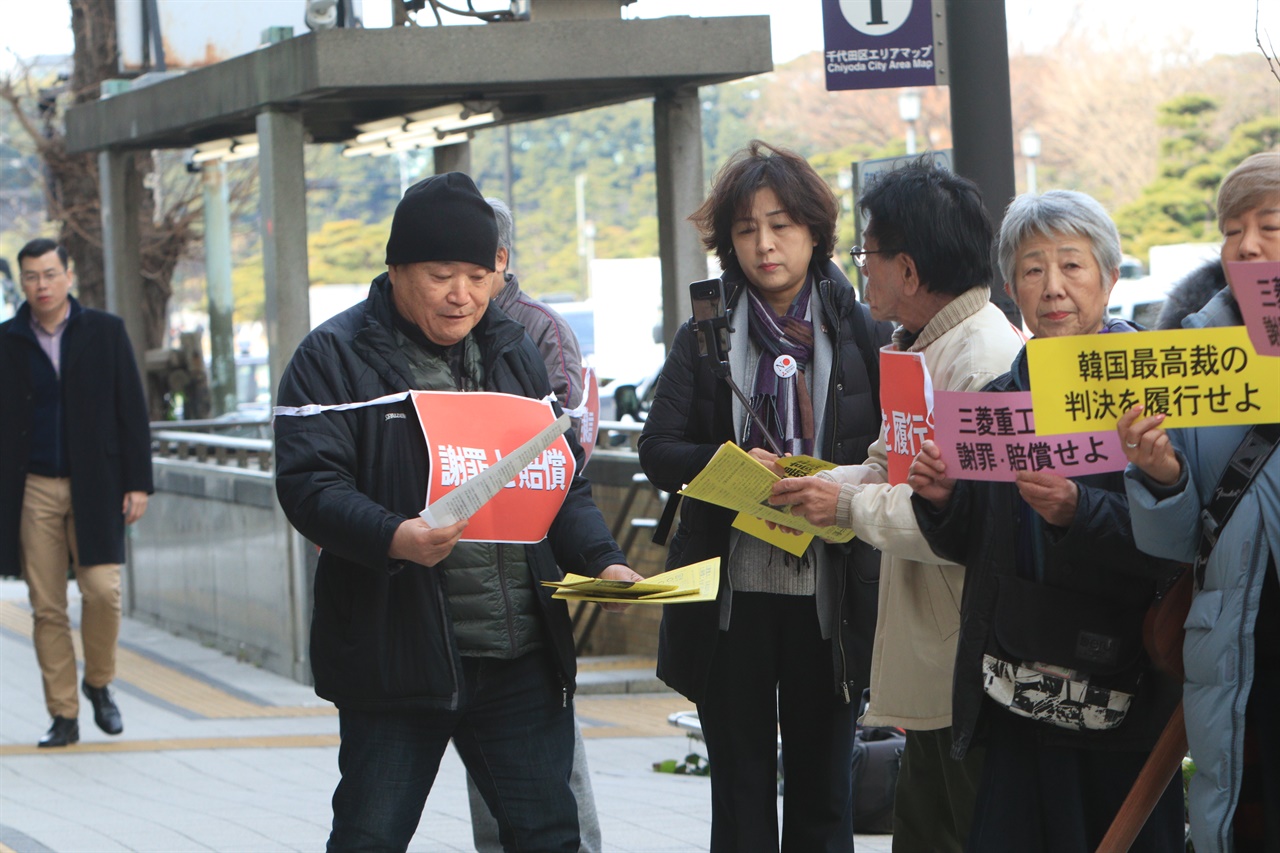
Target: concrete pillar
[121,246]
[453,158]
[282,182]
[677,137]
[217,265]
[981,116]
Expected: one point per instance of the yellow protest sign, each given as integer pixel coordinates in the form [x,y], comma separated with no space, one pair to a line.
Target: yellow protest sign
[1198,377]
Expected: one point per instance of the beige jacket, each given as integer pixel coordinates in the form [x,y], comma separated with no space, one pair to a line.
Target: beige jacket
[966,345]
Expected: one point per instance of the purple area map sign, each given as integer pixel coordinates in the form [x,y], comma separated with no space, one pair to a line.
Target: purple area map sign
[880,44]
[991,435]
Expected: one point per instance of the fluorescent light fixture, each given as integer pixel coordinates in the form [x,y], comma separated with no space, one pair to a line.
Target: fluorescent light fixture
[242,147]
[226,150]
[241,152]
[383,147]
[434,141]
[443,125]
[362,148]
[376,130]
[436,115]
[465,120]
[209,151]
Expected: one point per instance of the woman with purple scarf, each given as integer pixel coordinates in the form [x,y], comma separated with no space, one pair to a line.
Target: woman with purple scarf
[786,646]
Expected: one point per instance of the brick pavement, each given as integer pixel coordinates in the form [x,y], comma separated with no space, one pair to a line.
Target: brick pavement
[218,755]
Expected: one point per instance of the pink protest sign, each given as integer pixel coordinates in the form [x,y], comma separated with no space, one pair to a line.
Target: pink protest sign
[989,435]
[1256,287]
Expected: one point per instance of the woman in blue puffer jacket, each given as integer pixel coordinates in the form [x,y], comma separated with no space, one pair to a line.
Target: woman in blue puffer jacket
[1232,649]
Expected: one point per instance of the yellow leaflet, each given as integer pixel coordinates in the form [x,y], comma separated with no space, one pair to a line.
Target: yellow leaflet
[789,542]
[619,588]
[734,480]
[694,582]
[804,466]
[1198,377]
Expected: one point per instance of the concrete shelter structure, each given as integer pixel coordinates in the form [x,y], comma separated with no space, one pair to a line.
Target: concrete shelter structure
[317,87]
[216,559]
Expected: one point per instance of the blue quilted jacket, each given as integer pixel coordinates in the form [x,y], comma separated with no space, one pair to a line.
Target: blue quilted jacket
[1218,651]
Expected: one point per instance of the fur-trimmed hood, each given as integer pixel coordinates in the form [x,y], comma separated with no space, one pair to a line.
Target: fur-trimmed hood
[1191,294]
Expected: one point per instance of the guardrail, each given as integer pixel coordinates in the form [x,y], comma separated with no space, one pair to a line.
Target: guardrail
[216,559]
[199,441]
[615,436]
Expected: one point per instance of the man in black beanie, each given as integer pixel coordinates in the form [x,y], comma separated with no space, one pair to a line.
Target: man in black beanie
[417,637]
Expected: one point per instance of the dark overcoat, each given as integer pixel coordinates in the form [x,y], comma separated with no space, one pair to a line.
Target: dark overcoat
[108,440]
[1095,555]
[692,415]
[382,636]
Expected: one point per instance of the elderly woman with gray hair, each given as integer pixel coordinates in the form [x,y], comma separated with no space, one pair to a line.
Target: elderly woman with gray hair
[1049,673]
[1232,649]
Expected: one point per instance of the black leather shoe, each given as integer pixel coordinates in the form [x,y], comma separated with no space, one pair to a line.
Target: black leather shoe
[105,712]
[63,732]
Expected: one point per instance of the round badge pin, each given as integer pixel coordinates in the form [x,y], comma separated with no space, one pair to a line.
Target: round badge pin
[784,366]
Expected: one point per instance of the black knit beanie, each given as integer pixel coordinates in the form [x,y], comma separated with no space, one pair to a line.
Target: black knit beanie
[443,218]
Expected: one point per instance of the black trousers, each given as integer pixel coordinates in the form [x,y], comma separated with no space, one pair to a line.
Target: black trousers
[514,733]
[1035,798]
[933,803]
[1257,818]
[773,671]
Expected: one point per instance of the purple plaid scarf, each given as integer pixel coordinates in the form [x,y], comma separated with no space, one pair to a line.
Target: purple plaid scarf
[783,403]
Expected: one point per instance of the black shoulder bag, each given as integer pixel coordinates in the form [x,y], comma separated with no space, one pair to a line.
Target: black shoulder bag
[1252,453]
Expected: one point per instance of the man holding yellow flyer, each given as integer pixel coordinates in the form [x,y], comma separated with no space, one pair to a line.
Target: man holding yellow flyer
[417,636]
[928,266]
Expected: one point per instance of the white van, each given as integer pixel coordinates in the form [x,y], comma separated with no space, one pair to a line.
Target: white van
[1138,300]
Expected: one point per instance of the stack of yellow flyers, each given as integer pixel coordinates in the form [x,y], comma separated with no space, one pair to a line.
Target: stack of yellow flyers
[695,582]
[736,480]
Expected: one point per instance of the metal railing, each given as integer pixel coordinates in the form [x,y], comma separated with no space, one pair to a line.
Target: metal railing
[203,441]
[618,436]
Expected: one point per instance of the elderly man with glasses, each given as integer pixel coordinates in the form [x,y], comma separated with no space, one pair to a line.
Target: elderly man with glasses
[927,263]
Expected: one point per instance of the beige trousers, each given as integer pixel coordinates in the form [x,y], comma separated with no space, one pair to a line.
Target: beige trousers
[47,539]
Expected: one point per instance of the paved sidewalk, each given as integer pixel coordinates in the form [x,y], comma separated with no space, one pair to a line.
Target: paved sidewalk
[219,755]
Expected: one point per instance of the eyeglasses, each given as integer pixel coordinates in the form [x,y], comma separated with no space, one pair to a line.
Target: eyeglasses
[49,277]
[859,255]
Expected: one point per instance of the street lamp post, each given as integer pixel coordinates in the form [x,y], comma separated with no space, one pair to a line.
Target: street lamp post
[909,111]
[1030,143]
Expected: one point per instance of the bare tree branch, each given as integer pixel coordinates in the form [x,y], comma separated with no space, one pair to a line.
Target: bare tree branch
[1257,36]
[70,180]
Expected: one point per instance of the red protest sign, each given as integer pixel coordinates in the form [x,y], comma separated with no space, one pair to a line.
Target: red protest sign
[467,433]
[589,424]
[906,397]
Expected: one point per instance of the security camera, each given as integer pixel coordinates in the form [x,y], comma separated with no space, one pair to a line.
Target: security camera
[321,14]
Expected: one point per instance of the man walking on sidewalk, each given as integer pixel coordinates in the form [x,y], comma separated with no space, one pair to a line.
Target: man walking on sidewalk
[75,468]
